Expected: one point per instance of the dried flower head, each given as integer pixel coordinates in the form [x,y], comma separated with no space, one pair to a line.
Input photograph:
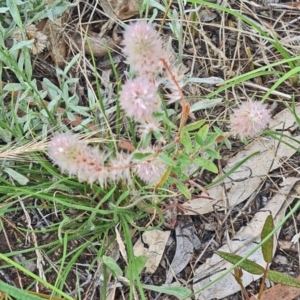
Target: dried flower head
[249,119]
[144,48]
[139,99]
[40,39]
[151,169]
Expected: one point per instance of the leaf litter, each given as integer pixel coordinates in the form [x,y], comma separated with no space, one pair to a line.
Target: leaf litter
[240,184]
[242,243]
[152,244]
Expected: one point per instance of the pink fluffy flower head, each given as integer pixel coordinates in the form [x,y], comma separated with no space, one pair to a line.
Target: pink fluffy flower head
[139,99]
[64,150]
[119,168]
[144,48]
[75,157]
[151,169]
[249,119]
[91,167]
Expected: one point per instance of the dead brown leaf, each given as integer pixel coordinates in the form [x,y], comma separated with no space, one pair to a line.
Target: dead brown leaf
[120,9]
[57,46]
[39,38]
[287,245]
[184,247]
[152,245]
[241,244]
[126,145]
[246,179]
[97,45]
[279,292]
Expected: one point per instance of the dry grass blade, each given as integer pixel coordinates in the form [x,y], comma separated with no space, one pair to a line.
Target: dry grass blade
[19,153]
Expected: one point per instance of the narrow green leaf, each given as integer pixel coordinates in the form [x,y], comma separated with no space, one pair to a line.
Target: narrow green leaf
[3,10]
[71,63]
[267,247]
[140,262]
[13,87]
[199,140]
[166,159]
[14,11]
[140,155]
[206,164]
[184,159]
[112,265]
[17,293]
[159,136]
[203,131]
[21,179]
[213,153]
[20,45]
[177,291]
[285,279]
[27,63]
[206,103]
[140,265]
[211,140]
[186,141]
[167,122]
[12,290]
[246,265]
[183,189]
[228,144]
[209,80]
[194,126]
[234,168]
